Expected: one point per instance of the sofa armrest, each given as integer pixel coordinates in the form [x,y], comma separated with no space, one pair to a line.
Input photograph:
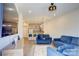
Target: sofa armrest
[49,38]
[57,39]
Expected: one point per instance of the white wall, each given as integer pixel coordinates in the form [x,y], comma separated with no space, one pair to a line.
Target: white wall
[20,22]
[20,26]
[64,25]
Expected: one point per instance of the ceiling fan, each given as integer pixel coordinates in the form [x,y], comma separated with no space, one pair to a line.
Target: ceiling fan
[52,7]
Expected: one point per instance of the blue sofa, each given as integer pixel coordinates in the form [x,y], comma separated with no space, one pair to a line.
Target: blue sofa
[43,39]
[64,50]
[65,46]
[68,40]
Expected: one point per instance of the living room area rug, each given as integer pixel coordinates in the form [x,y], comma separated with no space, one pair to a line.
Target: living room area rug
[40,50]
[13,52]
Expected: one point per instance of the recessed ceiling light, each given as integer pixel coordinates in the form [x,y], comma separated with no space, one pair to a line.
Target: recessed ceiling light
[10,9]
[4,25]
[29,11]
[9,25]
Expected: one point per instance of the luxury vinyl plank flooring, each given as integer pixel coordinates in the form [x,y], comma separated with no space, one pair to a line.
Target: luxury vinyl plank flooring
[23,47]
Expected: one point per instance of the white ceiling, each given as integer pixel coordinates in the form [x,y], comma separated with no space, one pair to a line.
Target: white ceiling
[10,13]
[38,12]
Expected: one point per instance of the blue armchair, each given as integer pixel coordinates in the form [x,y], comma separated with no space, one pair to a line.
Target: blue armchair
[43,39]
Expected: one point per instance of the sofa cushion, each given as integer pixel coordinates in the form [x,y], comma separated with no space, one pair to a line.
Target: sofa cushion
[71,52]
[58,43]
[53,52]
[66,39]
[75,40]
[60,49]
[46,35]
[39,36]
[63,47]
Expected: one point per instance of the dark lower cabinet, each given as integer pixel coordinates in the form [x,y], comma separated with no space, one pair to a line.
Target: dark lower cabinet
[0,53]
